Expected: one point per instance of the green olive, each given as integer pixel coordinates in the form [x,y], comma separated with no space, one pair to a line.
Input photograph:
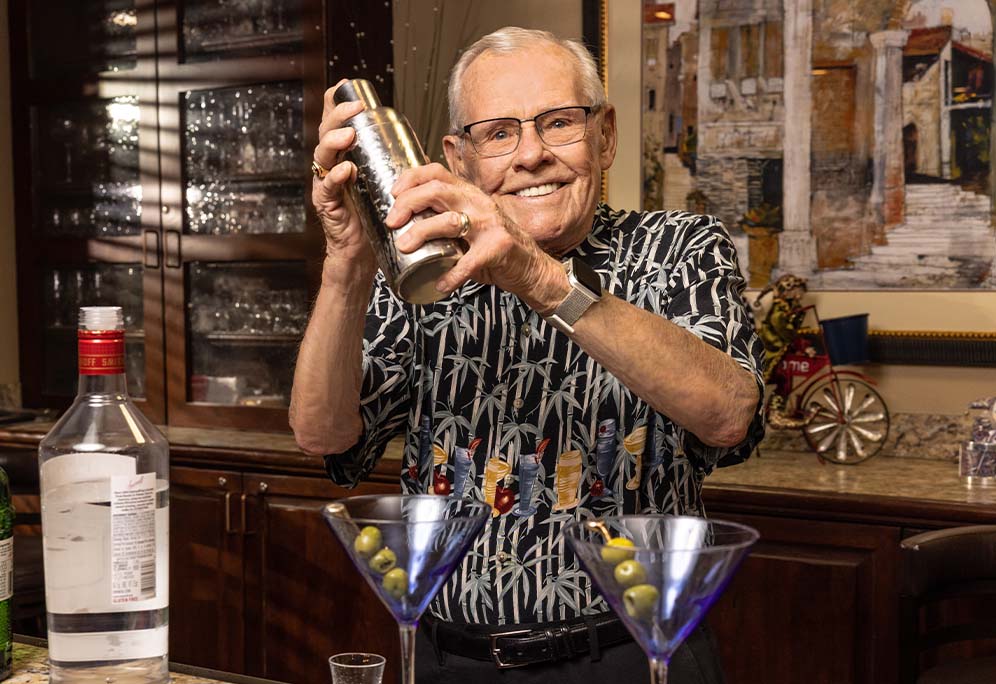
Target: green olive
[383,560]
[396,583]
[368,542]
[617,550]
[630,573]
[640,601]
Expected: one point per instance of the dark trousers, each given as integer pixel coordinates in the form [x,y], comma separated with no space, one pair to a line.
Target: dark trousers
[695,662]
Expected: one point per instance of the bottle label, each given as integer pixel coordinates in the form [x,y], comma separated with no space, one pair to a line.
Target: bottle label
[101,352]
[133,538]
[6,568]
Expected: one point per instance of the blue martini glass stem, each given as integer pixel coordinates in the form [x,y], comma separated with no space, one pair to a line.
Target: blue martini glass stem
[407,632]
[658,671]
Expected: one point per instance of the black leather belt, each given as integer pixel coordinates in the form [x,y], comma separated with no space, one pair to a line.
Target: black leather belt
[522,645]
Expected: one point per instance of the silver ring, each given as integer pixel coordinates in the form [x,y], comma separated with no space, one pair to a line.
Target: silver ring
[464,226]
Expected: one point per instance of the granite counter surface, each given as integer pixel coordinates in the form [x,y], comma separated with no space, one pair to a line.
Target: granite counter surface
[903,478]
[31,667]
[911,479]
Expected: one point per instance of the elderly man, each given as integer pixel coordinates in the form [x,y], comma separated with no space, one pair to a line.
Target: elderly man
[585,361]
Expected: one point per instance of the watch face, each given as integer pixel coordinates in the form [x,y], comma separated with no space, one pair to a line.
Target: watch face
[587,276]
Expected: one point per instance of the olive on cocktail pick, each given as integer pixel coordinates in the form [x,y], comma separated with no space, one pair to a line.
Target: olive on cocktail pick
[640,600]
[396,582]
[630,573]
[617,550]
[383,560]
[368,542]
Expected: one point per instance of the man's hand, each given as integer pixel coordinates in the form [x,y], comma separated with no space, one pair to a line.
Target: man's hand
[498,253]
[343,233]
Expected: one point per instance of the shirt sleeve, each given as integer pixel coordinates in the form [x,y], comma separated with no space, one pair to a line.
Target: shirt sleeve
[706,298]
[385,393]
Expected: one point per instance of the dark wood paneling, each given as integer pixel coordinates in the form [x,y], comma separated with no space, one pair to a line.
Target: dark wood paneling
[207,601]
[815,602]
[305,599]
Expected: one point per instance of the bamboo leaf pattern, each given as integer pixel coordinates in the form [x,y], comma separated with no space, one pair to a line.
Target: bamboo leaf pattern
[485,370]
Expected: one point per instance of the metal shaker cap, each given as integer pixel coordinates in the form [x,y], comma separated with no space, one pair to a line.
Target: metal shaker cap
[357,89]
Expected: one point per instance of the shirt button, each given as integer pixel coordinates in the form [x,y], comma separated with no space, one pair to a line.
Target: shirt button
[527,330]
[502,557]
[517,403]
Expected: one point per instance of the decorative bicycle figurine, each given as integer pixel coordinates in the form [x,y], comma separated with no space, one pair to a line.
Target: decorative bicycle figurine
[841,415]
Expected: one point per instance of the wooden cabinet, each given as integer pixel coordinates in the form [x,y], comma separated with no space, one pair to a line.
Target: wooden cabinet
[815,602]
[207,589]
[161,164]
[259,584]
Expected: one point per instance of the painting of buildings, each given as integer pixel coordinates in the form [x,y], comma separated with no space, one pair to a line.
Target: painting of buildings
[847,141]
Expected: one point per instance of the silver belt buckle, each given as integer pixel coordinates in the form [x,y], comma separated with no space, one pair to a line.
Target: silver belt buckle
[496,651]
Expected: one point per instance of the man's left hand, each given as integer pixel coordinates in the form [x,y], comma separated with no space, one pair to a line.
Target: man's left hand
[498,253]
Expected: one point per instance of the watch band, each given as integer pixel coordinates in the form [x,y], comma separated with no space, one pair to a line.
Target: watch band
[577,301]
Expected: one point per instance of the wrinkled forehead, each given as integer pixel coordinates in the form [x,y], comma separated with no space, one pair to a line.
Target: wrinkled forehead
[520,83]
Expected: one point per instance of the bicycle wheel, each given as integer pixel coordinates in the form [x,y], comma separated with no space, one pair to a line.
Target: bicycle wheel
[850,420]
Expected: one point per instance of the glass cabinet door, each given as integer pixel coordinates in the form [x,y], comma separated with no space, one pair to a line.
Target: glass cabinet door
[243,153]
[225,29]
[90,36]
[86,154]
[245,321]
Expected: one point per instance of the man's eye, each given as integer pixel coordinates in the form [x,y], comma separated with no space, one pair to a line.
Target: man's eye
[500,133]
[559,123]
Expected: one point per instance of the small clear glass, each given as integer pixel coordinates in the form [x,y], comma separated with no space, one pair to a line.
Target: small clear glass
[357,668]
[977,463]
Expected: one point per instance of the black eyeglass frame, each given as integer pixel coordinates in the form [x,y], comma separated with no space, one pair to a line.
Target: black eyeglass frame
[588,110]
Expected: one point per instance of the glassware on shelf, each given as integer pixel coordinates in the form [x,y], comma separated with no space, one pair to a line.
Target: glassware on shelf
[406,548]
[244,160]
[89,184]
[659,573]
[219,29]
[245,320]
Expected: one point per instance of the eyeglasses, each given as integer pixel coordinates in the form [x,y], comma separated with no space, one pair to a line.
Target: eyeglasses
[497,137]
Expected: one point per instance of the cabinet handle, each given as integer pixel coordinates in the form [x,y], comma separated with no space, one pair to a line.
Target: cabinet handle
[150,249]
[173,255]
[245,528]
[228,514]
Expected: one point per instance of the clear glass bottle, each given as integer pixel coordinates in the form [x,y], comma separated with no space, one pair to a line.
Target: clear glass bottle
[6,576]
[105,520]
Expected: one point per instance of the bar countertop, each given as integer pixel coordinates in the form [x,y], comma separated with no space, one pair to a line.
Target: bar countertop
[932,485]
[31,667]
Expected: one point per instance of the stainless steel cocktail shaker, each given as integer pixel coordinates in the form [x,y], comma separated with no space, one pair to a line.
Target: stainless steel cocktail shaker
[385,146]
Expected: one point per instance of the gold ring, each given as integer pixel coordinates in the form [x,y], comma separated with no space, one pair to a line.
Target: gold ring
[319,170]
[464,226]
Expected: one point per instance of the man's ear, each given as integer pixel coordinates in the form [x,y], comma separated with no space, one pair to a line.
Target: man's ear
[453,151]
[609,139]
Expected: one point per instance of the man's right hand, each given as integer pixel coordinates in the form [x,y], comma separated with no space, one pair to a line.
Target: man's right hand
[345,241]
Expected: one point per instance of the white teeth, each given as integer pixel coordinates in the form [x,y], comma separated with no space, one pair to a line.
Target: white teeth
[538,190]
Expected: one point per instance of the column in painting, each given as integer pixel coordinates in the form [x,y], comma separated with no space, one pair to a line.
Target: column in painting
[889,180]
[992,155]
[797,249]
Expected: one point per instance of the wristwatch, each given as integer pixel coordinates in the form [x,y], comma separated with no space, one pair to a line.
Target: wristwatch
[586,289]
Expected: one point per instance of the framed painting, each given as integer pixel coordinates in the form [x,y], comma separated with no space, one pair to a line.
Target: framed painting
[845,141]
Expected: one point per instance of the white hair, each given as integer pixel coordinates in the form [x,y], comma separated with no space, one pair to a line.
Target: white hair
[511,39]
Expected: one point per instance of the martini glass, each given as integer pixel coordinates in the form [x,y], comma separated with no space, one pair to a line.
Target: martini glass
[663,580]
[406,547]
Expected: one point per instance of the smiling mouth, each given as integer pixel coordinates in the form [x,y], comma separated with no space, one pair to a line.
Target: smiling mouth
[538,190]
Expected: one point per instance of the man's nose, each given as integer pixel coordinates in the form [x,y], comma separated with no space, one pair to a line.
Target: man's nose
[531,150]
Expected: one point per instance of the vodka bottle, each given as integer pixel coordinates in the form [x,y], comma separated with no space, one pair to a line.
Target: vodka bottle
[6,576]
[105,520]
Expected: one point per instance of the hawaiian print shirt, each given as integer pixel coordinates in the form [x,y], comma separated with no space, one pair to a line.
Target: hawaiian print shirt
[498,405]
